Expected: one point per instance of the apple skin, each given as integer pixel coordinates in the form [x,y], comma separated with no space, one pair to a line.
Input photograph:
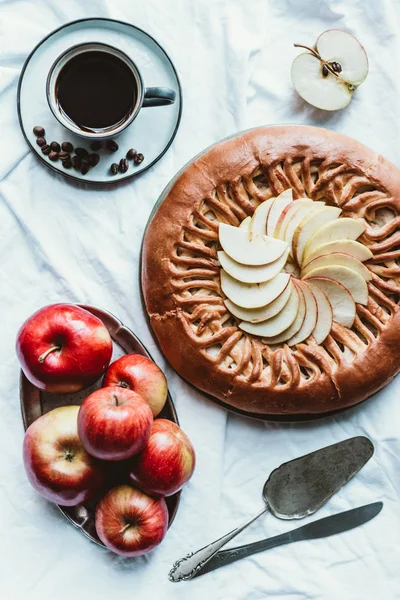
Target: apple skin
[114,423]
[84,354]
[129,522]
[166,463]
[141,375]
[56,463]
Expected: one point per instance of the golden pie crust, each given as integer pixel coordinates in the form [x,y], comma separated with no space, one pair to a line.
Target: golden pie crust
[181,281]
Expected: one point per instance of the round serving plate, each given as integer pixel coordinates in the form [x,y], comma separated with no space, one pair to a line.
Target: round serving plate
[153,130]
[266,417]
[35,403]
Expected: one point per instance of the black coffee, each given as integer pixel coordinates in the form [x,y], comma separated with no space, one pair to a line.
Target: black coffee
[96,90]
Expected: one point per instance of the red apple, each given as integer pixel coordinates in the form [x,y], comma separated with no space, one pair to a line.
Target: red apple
[63,348]
[166,463]
[129,522]
[114,423]
[56,463]
[143,376]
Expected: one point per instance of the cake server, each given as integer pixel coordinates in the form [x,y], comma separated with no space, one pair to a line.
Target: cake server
[338,523]
[294,490]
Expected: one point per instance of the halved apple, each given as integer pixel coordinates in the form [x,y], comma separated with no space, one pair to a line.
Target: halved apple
[279,204]
[252,274]
[338,258]
[292,328]
[297,218]
[245,224]
[256,315]
[351,280]
[343,305]
[341,229]
[308,226]
[350,247]
[258,222]
[253,295]
[323,325]
[249,248]
[282,320]
[288,213]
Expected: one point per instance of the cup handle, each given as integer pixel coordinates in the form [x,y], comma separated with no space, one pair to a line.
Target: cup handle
[158,96]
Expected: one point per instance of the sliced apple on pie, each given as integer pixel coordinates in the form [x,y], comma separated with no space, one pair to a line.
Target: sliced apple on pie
[253,295]
[309,226]
[323,325]
[278,206]
[350,247]
[252,274]
[339,259]
[340,299]
[255,315]
[249,248]
[345,228]
[351,280]
[294,311]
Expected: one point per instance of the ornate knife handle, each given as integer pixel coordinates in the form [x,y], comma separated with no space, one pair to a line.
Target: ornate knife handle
[187,567]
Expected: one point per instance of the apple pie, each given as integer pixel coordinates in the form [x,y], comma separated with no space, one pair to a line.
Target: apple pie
[271,274]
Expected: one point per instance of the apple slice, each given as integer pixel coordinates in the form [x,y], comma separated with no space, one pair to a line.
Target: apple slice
[294,326]
[245,224]
[252,274]
[281,321]
[249,248]
[256,315]
[308,226]
[296,219]
[350,247]
[351,280]
[258,223]
[340,259]
[345,228]
[310,319]
[344,49]
[289,211]
[253,295]
[343,305]
[323,325]
[279,204]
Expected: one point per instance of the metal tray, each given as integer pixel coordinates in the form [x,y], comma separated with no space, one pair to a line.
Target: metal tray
[35,403]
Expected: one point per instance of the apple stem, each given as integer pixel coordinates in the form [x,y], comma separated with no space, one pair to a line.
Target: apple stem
[125,528]
[43,356]
[325,63]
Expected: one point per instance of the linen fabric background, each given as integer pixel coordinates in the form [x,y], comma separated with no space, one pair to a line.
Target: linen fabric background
[65,242]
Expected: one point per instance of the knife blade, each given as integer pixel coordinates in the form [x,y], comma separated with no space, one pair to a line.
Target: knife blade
[327,526]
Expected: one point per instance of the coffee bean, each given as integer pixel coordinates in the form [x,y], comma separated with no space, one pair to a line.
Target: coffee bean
[67,163]
[55,146]
[67,147]
[53,156]
[114,169]
[95,146]
[46,149]
[131,154]
[94,159]
[38,131]
[84,168]
[138,159]
[76,162]
[111,145]
[123,165]
[82,152]
[40,141]
[63,155]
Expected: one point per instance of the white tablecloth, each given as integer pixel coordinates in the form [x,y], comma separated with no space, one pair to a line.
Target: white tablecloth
[61,242]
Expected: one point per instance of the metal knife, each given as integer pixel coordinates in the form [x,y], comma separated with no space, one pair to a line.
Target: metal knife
[338,523]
